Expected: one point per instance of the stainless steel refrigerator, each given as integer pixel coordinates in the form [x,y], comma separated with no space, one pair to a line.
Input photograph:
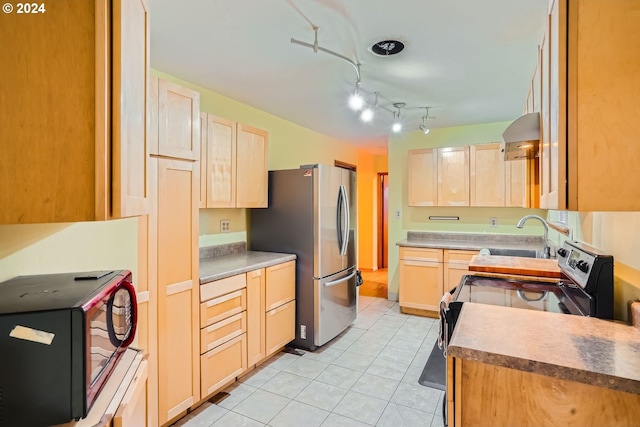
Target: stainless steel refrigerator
[312,213]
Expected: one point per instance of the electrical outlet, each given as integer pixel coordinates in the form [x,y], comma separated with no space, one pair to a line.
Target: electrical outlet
[303,332]
[225,226]
[398,214]
[493,221]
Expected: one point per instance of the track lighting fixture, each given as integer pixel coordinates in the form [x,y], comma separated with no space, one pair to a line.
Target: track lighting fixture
[423,127]
[357,100]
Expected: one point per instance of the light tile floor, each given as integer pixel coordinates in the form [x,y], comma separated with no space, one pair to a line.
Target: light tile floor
[367,376]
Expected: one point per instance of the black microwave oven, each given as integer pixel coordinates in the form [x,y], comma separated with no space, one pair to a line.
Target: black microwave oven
[61,336]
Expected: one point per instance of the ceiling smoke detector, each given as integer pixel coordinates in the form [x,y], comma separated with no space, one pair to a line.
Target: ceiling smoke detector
[387,47]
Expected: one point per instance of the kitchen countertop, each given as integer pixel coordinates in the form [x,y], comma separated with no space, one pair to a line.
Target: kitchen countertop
[221,266]
[470,241]
[574,348]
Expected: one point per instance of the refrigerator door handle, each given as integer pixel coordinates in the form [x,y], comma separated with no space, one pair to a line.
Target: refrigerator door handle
[344,279]
[343,227]
[339,221]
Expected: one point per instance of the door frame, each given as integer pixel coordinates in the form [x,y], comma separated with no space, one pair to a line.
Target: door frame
[382,185]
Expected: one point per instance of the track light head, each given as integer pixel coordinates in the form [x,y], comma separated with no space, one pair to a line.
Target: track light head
[366,115]
[423,127]
[356,101]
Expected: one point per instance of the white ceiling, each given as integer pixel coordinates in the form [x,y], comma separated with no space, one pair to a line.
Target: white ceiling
[470,61]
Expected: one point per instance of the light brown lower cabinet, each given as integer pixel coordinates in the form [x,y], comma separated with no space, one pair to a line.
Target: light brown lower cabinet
[280,327]
[426,274]
[244,319]
[223,364]
[479,394]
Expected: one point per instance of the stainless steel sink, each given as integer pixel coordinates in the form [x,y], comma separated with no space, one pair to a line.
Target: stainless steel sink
[527,253]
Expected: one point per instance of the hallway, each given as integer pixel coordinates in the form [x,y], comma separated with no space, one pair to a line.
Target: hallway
[374,283]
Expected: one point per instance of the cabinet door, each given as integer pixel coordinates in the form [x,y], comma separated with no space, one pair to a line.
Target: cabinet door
[221,161]
[130,80]
[453,176]
[179,121]
[133,408]
[546,198]
[280,326]
[422,177]
[487,175]
[280,284]
[421,284]
[517,184]
[251,167]
[554,195]
[178,285]
[203,160]
[255,316]
[222,364]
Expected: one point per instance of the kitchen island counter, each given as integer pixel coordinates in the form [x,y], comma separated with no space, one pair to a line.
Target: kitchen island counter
[586,350]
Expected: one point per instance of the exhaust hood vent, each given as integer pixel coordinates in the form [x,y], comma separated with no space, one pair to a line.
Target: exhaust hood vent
[521,138]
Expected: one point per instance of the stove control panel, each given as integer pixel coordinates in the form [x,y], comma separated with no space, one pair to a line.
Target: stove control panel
[581,263]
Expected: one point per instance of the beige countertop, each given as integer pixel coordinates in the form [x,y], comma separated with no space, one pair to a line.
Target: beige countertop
[469,241]
[221,266]
[575,348]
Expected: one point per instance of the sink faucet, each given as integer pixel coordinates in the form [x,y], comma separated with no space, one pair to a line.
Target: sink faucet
[546,249]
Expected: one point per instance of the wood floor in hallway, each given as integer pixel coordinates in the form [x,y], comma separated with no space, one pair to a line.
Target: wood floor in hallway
[374,283]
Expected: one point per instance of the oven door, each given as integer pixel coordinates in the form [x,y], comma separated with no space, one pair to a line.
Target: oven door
[111,325]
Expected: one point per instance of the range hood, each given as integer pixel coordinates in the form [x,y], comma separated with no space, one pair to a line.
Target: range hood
[521,138]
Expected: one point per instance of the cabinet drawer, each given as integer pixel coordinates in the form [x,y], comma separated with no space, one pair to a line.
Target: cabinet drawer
[223,286]
[421,254]
[280,285]
[222,307]
[453,256]
[280,326]
[222,364]
[222,331]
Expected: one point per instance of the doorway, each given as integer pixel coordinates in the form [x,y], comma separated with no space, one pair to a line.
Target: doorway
[375,283]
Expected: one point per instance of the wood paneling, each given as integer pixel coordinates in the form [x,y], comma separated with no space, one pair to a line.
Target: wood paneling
[499,396]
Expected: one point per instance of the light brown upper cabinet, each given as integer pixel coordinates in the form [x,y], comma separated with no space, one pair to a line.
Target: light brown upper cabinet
[74,112]
[593,86]
[422,182]
[422,177]
[487,175]
[477,174]
[178,121]
[236,165]
[251,167]
[453,176]
[518,183]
